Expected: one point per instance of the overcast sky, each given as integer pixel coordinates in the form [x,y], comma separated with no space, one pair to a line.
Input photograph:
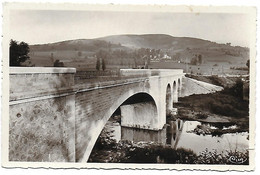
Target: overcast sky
[45,26]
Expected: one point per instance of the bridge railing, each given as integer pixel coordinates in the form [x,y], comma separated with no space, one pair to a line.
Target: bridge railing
[93,75]
[90,74]
[150,72]
[28,82]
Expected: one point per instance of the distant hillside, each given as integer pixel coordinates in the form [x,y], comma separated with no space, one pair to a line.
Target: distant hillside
[157,41]
[91,45]
[182,49]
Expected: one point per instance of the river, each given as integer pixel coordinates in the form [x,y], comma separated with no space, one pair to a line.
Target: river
[180,134]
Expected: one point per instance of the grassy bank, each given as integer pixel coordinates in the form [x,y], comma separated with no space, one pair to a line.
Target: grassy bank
[129,152]
[218,103]
[222,108]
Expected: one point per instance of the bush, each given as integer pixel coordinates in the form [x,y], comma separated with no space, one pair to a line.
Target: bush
[18,53]
[216,80]
[231,157]
[58,63]
[227,110]
[202,116]
[221,103]
[236,90]
[159,154]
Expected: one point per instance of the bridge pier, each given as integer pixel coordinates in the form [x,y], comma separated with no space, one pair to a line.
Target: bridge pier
[137,135]
[179,86]
[140,115]
[169,99]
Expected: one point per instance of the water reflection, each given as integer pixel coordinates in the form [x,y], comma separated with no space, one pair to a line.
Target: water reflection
[138,135]
[174,130]
[179,134]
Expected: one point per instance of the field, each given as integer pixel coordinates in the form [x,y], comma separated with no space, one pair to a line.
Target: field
[217,59]
[86,61]
[209,68]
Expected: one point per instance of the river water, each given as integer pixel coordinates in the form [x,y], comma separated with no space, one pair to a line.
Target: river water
[180,134]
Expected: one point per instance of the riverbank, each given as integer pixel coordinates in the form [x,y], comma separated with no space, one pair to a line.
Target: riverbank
[110,151]
[221,109]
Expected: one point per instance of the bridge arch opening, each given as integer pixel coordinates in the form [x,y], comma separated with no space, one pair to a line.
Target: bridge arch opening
[168,99]
[138,98]
[175,92]
[127,114]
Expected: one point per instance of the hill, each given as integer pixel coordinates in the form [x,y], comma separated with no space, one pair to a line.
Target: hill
[156,41]
[184,47]
[122,48]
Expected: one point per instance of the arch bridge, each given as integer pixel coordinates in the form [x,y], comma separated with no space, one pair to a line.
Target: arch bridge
[55,119]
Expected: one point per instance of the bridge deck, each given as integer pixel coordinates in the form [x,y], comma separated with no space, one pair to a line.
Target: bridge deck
[98,82]
[99,79]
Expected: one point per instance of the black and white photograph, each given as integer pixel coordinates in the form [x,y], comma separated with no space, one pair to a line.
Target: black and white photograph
[128,86]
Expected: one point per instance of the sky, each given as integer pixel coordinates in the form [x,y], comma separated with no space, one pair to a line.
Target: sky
[48,26]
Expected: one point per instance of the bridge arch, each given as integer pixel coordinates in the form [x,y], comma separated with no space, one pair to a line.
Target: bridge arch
[99,127]
[175,92]
[168,99]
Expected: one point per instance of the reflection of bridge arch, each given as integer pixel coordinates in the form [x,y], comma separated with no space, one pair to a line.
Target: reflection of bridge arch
[179,87]
[174,131]
[120,101]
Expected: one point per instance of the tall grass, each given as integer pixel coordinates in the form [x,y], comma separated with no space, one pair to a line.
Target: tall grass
[228,157]
[228,102]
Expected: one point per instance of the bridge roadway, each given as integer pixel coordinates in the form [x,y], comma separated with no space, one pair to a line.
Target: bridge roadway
[54,118]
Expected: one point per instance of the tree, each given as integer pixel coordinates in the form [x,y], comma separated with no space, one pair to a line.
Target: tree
[18,53]
[98,64]
[57,63]
[135,63]
[153,53]
[200,59]
[237,89]
[248,64]
[103,64]
[194,61]
[79,53]
[101,54]
[52,59]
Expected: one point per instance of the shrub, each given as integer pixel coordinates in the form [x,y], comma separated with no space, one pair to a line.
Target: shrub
[236,90]
[58,63]
[159,154]
[227,110]
[18,53]
[202,116]
[230,157]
